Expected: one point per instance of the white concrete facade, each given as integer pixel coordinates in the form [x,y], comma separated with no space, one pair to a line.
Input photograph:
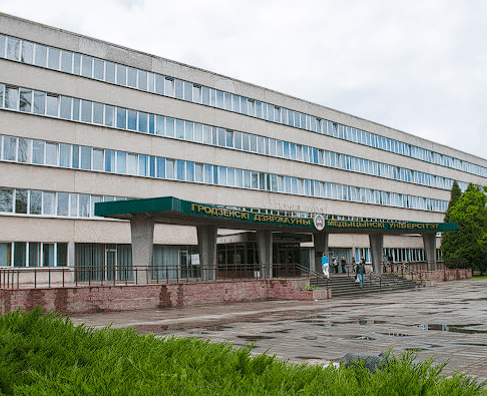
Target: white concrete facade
[332,192]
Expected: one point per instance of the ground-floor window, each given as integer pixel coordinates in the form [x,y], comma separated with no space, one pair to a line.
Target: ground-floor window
[112,262]
[33,254]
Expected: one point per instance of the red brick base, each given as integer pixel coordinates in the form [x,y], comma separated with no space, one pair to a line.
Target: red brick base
[446,275]
[71,300]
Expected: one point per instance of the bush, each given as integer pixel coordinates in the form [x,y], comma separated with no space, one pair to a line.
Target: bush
[45,354]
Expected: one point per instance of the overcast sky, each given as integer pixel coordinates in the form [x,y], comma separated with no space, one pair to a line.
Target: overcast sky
[417,66]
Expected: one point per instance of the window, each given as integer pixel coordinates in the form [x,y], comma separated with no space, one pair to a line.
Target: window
[169,86]
[21,201]
[131,77]
[169,127]
[178,89]
[11,98]
[198,172]
[54,56]
[38,148]
[51,154]
[159,84]
[75,109]
[87,66]
[161,167]
[35,204]
[132,164]
[76,64]
[121,118]
[73,205]
[23,154]
[110,72]
[41,55]
[52,105]
[86,110]
[27,55]
[34,254]
[75,156]
[109,115]
[142,165]
[121,162]
[65,155]
[109,161]
[6,200]
[65,110]
[189,171]
[62,204]
[170,165]
[48,203]
[20,254]
[181,166]
[142,80]
[67,62]
[97,113]
[62,254]
[142,122]
[98,66]
[25,100]
[132,120]
[84,205]
[97,159]
[85,157]
[121,75]
[9,148]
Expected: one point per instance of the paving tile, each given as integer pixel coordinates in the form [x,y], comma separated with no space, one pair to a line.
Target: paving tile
[447,322]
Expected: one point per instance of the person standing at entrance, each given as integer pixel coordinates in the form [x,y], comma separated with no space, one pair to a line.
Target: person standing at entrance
[361,271]
[325,264]
[343,264]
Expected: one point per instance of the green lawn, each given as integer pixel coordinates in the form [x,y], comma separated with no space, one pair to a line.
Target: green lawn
[48,355]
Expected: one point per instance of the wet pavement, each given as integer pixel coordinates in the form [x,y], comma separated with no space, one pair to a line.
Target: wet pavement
[447,322]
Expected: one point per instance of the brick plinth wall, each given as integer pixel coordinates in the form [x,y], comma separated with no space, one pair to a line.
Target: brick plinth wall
[445,275]
[72,300]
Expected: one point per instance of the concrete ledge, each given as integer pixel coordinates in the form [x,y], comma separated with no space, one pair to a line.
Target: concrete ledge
[322,294]
[298,284]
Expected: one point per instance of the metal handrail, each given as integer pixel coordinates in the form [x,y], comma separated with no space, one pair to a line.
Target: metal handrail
[53,277]
[313,273]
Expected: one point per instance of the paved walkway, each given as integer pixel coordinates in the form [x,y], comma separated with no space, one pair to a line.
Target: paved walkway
[448,321]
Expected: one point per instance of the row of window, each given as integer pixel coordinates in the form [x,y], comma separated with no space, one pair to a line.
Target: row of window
[88,158]
[40,55]
[33,254]
[49,203]
[42,103]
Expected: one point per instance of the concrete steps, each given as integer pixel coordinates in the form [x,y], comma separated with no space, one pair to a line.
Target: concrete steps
[343,285]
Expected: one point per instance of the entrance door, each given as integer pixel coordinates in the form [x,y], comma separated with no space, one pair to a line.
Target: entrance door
[287,256]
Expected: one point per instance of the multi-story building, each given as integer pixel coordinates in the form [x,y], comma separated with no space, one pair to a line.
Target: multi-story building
[84,121]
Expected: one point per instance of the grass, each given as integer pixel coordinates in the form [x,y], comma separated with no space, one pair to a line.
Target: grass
[310,288]
[479,276]
[48,355]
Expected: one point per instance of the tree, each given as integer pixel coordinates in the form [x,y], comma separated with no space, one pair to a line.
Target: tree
[470,241]
[456,193]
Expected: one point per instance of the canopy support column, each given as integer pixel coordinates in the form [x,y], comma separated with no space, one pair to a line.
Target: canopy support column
[207,235]
[264,246]
[376,249]
[321,246]
[429,243]
[142,234]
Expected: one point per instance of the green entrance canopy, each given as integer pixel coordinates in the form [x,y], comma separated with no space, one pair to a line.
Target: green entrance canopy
[172,210]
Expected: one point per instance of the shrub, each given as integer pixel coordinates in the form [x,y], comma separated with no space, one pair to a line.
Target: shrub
[45,354]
